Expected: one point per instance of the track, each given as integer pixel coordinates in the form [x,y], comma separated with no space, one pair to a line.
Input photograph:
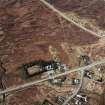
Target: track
[76,92]
[81,69]
[67,18]
[28,85]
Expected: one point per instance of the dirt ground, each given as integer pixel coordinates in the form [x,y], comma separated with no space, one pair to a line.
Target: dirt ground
[29,27]
[27,30]
[92,9]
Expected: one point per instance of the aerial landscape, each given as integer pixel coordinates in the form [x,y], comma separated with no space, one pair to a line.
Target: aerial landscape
[52,52]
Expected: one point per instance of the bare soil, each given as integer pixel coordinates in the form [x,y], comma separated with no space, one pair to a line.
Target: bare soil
[28,29]
[92,9]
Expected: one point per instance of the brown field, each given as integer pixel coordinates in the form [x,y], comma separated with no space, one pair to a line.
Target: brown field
[92,9]
[29,28]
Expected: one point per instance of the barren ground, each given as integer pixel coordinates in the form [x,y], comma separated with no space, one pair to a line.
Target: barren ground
[93,9]
[28,28]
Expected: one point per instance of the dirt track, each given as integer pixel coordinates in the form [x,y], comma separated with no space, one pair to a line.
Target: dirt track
[92,9]
[28,30]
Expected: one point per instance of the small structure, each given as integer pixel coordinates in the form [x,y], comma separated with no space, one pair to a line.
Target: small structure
[88,74]
[60,100]
[83,98]
[75,81]
[86,59]
[38,67]
[58,81]
[78,102]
